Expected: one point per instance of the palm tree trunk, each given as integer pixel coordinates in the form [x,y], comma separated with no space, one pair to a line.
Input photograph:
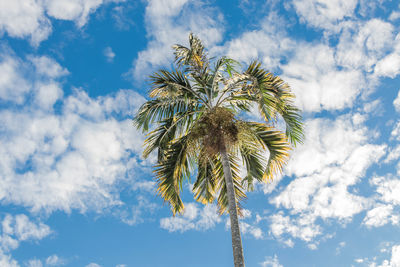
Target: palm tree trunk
[238,257]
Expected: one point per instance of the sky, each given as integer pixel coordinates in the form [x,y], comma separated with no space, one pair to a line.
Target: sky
[75,190]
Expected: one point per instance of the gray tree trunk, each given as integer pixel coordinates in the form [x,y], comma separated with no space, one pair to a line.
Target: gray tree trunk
[238,257]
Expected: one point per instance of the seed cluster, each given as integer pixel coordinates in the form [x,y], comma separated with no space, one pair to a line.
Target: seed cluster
[215,128]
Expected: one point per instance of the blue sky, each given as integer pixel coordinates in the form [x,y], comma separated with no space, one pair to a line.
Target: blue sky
[75,191]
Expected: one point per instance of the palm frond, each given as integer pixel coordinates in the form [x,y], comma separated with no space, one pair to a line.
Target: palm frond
[167,84]
[273,96]
[205,186]
[276,143]
[194,56]
[159,109]
[171,172]
[254,163]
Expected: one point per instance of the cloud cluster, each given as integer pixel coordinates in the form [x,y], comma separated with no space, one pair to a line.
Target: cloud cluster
[62,152]
[193,217]
[271,262]
[269,44]
[32,18]
[318,83]
[394,260]
[15,229]
[324,14]
[334,157]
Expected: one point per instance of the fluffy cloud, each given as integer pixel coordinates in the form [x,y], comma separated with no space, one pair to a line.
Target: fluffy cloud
[388,189]
[324,14]
[12,86]
[271,262]
[380,215]
[65,158]
[168,23]
[34,263]
[201,219]
[362,44]
[76,10]
[24,18]
[134,214]
[109,54]
[31,18]
[303,228]
[247,227]
[54,260]
[268,44]
[15,229]
[389,66]
[192,218]
[318,83]
[396,102]
[334,157]
[395,259]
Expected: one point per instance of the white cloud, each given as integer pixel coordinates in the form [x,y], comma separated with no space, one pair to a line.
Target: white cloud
[34,263]
[24,18]
[324,13]
[359,260]
[340,247]
[363,44]
[395,258]
[334,143]
[168,23]
[271,262]
[24,229]
[395,15]
[7,261]
[247,228]
[13,86]
[268,44]
[134,214]
[48,67]
[31,18]
[396,102]
[389,66]
[109,54]
[388,188]
[334,157]
[93,265]
[76,10]
[303,227]
[192,218]
[15,229]
[380,215]
[54,260]
[395,134]
[65,159]
[149,186]
[318,84]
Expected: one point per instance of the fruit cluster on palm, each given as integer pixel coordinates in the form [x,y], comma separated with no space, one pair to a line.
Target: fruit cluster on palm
[194,122]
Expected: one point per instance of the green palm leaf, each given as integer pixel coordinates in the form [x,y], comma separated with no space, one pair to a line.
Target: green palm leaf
[171,172]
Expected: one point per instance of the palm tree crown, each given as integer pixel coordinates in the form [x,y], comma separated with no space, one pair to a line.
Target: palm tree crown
[196,113]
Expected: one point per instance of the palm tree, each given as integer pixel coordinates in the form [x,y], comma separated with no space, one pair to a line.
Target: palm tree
[197,116]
